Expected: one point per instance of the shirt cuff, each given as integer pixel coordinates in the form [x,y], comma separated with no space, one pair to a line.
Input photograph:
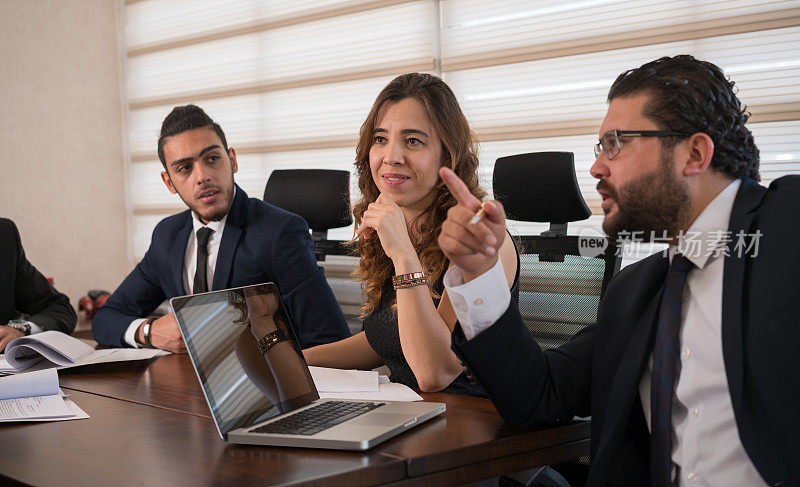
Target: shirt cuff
[480,302]
[34,327]
[130,334]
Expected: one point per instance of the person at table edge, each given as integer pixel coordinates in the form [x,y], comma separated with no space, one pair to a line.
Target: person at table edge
[28,303]
[692,378]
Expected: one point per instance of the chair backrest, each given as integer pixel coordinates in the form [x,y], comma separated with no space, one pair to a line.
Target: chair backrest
[561,278]
[320,196]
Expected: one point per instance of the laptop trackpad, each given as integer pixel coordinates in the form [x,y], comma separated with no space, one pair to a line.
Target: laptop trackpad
[383,419]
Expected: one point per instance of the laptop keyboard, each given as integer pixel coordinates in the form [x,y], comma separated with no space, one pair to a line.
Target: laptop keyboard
[318,418]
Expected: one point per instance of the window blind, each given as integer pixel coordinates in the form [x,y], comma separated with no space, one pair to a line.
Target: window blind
[477,33]
[291,82]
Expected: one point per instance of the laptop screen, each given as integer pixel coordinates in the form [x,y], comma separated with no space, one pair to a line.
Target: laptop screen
[242,385]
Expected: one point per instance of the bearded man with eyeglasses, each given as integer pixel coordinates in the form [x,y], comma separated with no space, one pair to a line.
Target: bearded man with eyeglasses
[690,374]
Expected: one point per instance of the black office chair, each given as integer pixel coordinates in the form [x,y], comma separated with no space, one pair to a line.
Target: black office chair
[562,277]
[321,197]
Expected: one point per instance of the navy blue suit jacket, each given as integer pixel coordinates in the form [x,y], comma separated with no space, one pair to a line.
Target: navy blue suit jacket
[260,243]
[598,371]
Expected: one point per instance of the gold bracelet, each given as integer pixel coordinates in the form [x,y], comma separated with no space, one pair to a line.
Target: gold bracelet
[409,280]
[270,340]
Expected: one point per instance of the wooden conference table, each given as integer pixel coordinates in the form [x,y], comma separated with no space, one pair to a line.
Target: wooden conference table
[150,425]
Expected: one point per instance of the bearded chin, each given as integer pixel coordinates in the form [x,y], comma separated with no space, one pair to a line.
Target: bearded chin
[213,215]
[654,205]
[217,215]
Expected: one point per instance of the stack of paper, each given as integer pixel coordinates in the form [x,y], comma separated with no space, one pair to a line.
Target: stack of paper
[359,384]
[35,396]
[340,380]
[59,350]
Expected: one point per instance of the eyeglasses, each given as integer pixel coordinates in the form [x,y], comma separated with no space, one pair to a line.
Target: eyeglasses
[610,146]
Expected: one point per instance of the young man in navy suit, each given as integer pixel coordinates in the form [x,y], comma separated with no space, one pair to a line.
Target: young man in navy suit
[223,240]
[690,374]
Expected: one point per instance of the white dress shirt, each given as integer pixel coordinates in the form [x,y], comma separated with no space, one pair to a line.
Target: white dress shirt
[480,302]
[190,264]
[34,327]
[706,446]
[190,259]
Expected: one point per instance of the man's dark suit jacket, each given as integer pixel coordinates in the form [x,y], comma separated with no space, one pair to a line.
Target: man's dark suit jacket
[598,371]
[24,289]
[260,243]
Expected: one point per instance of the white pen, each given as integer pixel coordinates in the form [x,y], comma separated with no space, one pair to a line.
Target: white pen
[477,217]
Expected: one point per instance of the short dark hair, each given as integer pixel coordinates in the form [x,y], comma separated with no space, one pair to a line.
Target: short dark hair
[689,95]
[182,119]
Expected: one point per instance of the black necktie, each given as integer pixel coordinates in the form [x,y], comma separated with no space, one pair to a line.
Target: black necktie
[200,274]
[665,361]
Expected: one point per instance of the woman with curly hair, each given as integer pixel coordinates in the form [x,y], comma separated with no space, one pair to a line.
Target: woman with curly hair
[414,128]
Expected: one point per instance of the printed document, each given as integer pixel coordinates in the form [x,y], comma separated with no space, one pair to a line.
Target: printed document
[35,396]
[56,349]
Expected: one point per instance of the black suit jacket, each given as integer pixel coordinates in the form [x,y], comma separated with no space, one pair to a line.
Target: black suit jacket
[260,243]
[24,289]
[598,371]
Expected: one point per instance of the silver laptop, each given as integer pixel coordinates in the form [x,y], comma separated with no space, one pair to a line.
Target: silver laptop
[270,398]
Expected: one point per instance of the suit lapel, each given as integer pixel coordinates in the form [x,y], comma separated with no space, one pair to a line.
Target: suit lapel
[747,199]
[234,226]
[177,255]
[625,387]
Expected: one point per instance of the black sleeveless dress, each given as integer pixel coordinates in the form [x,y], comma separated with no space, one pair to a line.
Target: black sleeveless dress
[383,336]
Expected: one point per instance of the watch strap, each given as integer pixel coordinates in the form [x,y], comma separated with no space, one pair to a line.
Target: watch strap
[20,325]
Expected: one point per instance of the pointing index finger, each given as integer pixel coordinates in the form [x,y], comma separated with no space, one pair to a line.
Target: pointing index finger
[459,190]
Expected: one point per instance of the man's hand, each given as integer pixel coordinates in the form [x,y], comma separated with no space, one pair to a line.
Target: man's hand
[473,248]
[7,334]
[164,334]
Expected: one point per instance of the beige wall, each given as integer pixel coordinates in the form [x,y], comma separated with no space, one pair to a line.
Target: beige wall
[62,158]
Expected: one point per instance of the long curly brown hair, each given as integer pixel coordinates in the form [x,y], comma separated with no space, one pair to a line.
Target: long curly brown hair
[459,153]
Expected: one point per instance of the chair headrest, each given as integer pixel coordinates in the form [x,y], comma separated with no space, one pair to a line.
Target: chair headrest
[539,187]
[320,196]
